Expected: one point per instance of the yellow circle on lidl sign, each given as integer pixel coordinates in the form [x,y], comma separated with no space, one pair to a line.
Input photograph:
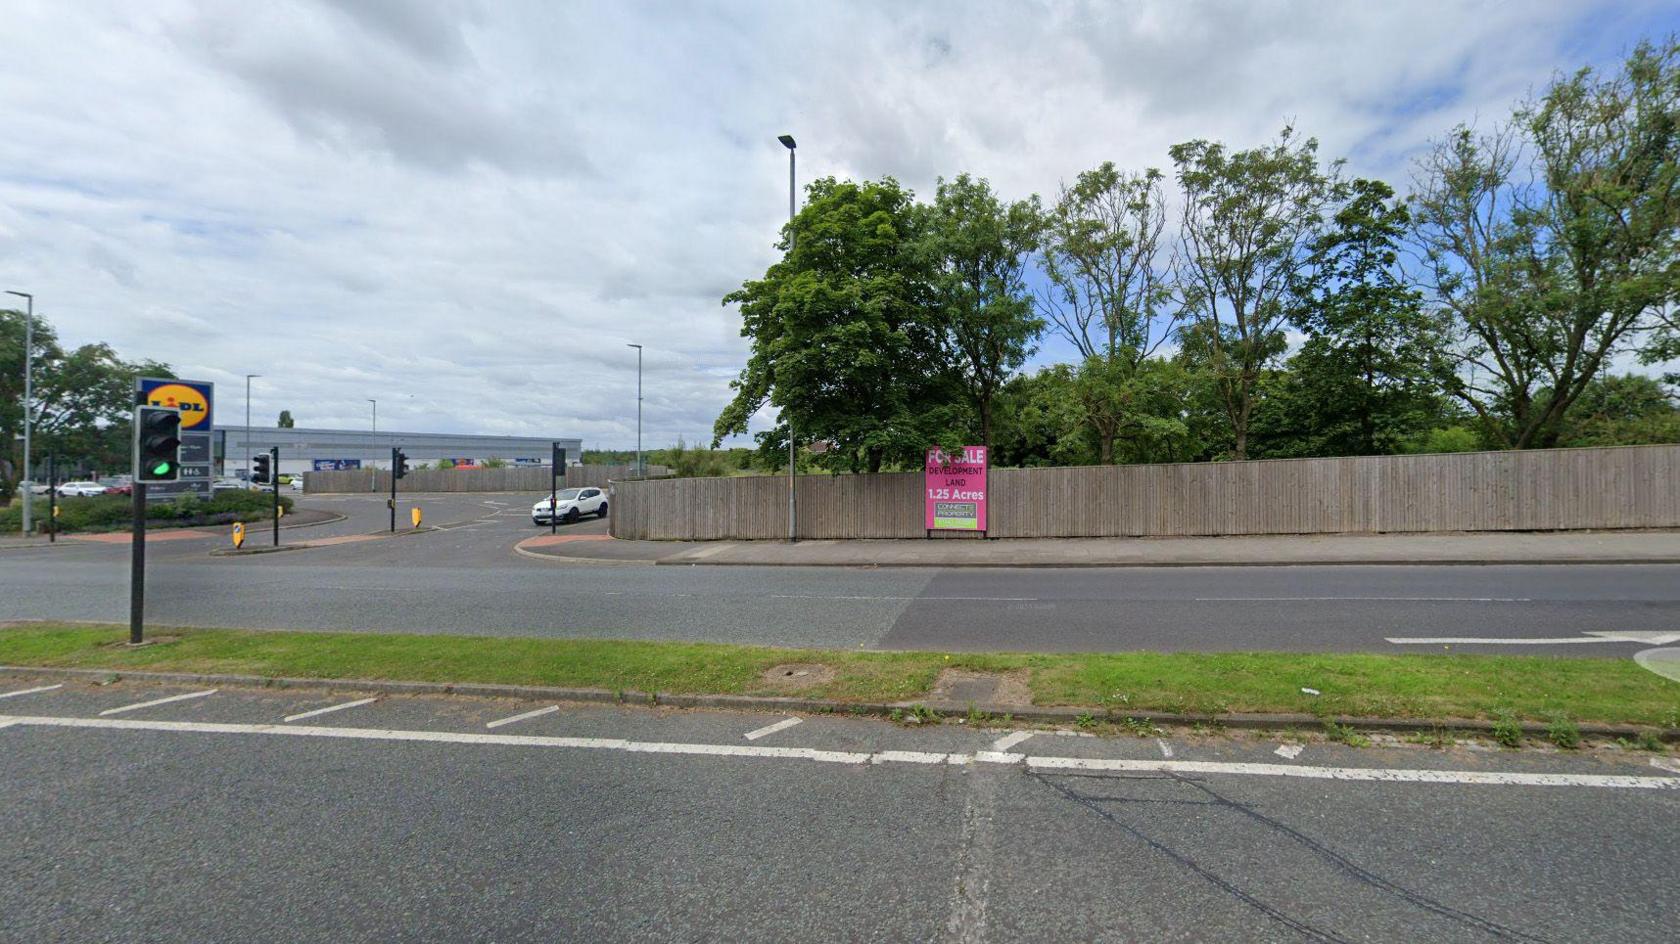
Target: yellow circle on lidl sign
[195,410]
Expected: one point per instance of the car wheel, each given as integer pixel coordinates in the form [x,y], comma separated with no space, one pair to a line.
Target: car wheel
[537,522]
[573,516]
[601,512]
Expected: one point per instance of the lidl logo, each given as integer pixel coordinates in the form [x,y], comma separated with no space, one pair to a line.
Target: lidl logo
[195,409]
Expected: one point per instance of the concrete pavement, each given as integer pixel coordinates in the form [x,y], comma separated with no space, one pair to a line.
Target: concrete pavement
[315,815]
[1563,547]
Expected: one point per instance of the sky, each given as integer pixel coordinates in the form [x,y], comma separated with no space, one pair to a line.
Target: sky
[467,210]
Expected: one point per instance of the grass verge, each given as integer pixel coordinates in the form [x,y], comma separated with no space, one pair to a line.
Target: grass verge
[1400,686]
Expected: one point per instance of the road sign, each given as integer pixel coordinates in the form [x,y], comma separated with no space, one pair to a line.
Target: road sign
[196,400]
[414,515]
[238,535]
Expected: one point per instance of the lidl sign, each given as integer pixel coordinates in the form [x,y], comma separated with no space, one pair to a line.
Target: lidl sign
[192,399]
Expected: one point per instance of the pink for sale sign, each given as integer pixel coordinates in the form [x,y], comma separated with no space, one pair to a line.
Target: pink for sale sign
[956,489]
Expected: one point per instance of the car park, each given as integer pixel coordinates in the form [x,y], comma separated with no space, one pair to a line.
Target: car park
[569,505]
[81,489]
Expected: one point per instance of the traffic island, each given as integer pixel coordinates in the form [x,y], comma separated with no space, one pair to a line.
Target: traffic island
[1497,696]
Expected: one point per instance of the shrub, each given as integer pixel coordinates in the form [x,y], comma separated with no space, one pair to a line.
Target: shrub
[114,512]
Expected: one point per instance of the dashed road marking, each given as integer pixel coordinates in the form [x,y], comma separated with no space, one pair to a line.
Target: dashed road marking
[551,709]
[330,709]
[157,701]
[1010,740]
[1367,774]
[30,691]
[768,729]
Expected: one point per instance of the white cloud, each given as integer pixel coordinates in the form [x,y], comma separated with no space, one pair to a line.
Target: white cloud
[467,210]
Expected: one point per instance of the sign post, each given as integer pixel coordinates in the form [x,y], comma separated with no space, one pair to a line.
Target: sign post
[955,494]
[274,463]
[52,498]
[557,467]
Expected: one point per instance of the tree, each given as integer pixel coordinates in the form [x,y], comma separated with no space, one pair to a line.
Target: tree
[1546,282]
[1107,289]
[847,335]
[1249,221]
[286,419]
[1361,384]
[980,248]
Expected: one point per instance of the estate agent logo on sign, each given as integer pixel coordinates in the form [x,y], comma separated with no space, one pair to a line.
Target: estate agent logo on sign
[956,490]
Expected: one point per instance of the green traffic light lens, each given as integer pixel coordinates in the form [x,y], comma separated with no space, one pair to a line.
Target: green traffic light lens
[162,468]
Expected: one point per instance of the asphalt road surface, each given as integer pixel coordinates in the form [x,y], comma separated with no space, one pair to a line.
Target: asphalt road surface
[465,578]
[255,816]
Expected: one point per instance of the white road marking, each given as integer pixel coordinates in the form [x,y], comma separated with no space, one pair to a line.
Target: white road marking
[1166,749]
[7,724]
[896,599]
[782,725]
[158,701]
[30,691]
[1640,636]
[551,709]
[330,709]
[1288,751]
[1371,774]
[1010,740]
[1666,763]
[1366,599]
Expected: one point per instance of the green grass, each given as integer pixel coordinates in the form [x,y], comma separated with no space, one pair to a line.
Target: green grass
[1403,686]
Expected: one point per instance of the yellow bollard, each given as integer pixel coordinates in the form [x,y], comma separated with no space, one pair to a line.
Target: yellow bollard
[238,534]
[414,515]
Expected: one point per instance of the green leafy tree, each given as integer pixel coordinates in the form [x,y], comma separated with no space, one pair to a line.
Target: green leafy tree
[1362,383]
[1249,222]
[980,247]
[286,419]
[1546,282]
[1623,410]
[847,335]
[1107,288]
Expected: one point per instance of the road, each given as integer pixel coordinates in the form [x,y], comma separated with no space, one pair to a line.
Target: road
[466,579]
[406,819]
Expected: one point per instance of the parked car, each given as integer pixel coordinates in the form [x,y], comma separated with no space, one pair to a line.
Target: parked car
[297,483]
[227,485]
[39,488]
[569,505]
[80,489]
[118,486]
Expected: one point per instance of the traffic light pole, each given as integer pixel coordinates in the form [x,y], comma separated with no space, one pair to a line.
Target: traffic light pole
[274,464]
[393,502]
[52,498]
[137,569]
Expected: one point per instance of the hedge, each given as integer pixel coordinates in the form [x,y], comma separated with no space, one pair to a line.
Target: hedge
[114,512]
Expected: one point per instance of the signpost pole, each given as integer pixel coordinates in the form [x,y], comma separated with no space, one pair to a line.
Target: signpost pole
[52,498]
[557,456]
[274,463]
[137,566]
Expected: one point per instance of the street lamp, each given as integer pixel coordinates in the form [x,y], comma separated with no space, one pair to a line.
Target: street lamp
[793,512]
[248,427]
[28,398]
[640,474]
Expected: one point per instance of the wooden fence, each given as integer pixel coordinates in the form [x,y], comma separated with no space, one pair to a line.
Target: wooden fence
[1531,490]
[509,479]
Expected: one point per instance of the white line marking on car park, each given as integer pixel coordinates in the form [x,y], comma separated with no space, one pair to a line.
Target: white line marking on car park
[157,701]
[1166,749]
[30,691]
[330,709]
[551,709]
[1288,751]
[1369,774]
[1010,740]
[781,725]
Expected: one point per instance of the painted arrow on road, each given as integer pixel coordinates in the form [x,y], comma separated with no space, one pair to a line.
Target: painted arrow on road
[1643,637]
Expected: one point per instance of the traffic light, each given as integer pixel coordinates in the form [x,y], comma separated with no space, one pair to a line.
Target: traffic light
[262,472]
[399,463]
[157,444]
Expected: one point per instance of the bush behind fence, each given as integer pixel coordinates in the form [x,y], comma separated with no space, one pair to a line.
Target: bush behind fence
[1531,490]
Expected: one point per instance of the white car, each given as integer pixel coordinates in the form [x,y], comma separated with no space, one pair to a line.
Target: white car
[80,489]
[569,505]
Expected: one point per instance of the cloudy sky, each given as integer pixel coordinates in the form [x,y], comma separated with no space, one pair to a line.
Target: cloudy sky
[467,209]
